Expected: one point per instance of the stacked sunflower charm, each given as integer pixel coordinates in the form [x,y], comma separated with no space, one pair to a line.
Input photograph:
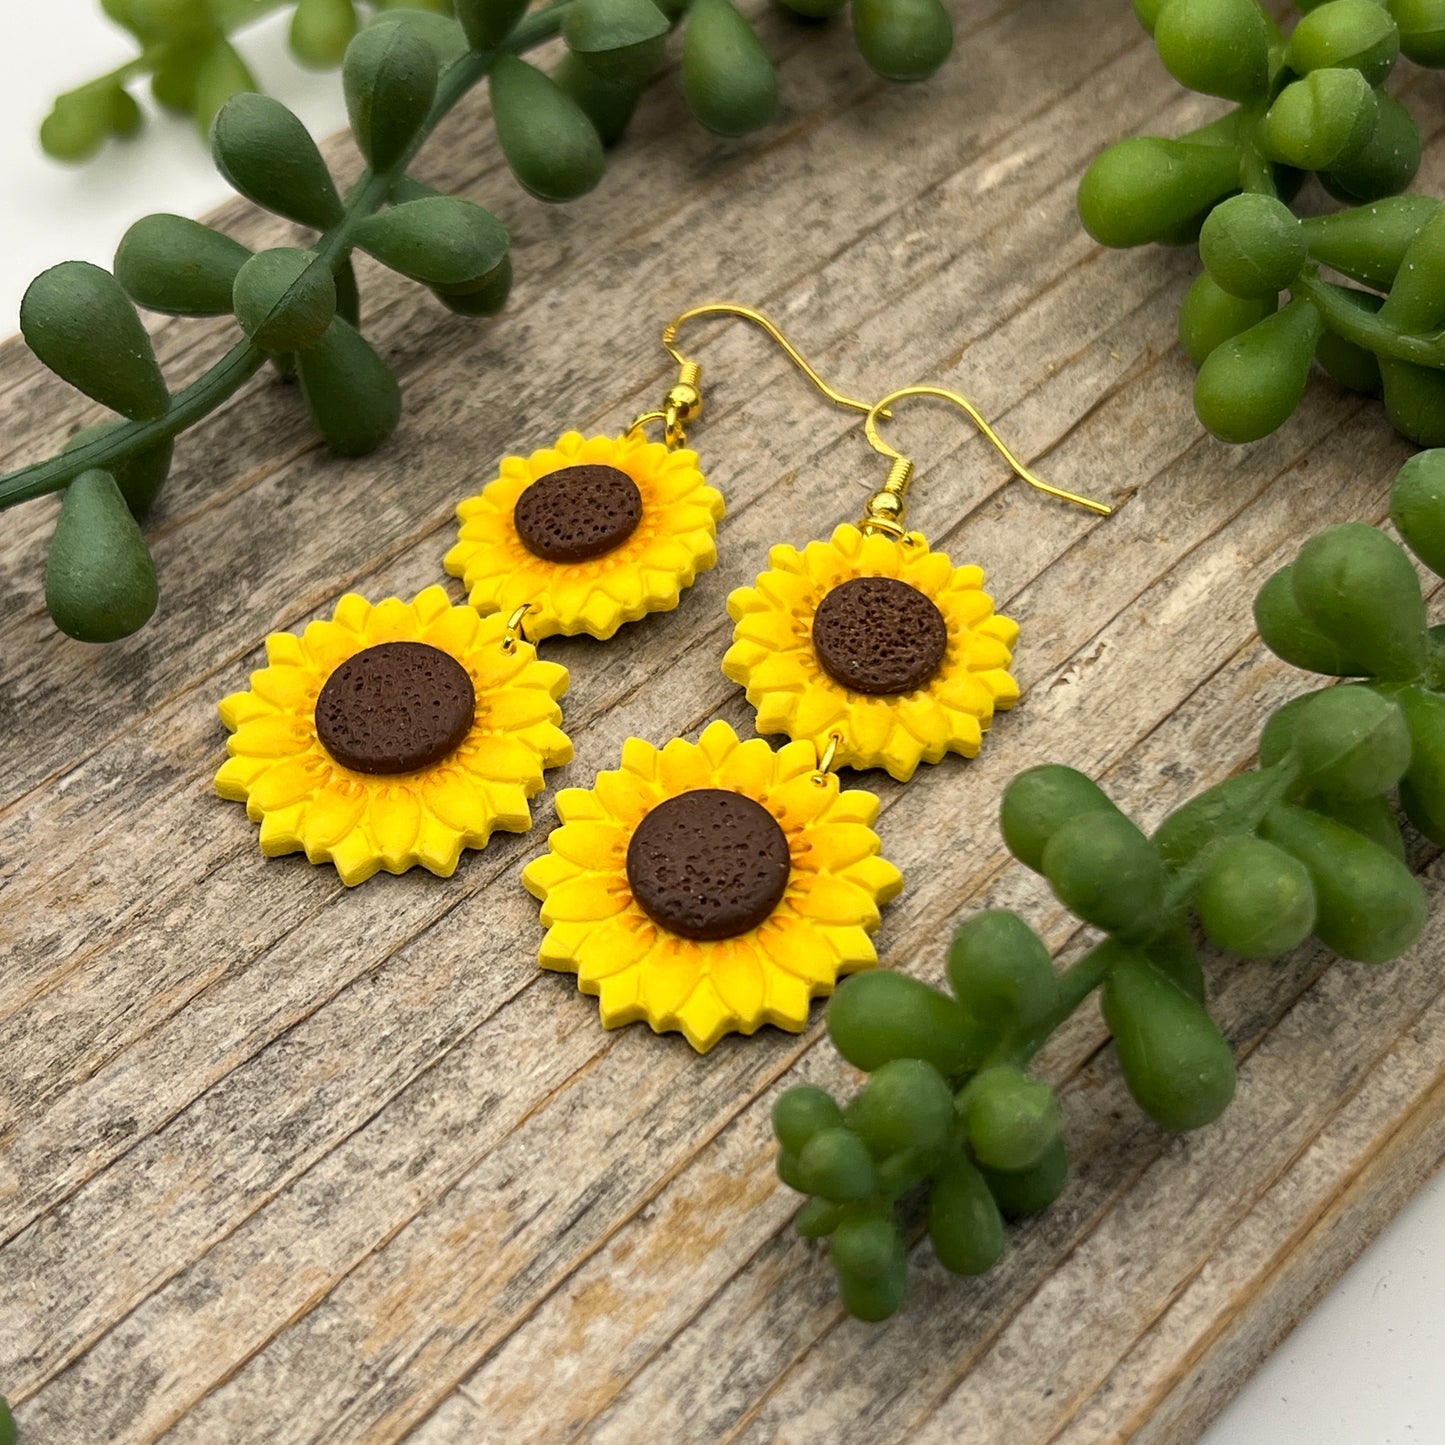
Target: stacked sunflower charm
[393,735]
[712,887]
[886,648]
[871,646]
[587,534]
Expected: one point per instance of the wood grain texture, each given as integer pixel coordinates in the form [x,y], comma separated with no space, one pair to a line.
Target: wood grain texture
[282,1162]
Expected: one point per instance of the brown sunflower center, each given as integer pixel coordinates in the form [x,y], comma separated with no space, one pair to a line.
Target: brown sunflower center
[394,708]
[880,636]
[708,864]
[577,513]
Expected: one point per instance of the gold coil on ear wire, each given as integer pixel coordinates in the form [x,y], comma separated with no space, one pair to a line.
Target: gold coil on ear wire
[683,403]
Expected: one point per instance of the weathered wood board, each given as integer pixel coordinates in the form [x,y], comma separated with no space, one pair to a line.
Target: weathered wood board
[281,1162]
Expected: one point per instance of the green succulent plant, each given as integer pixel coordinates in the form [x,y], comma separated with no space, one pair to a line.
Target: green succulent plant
[298,307]
[950,1123]
[1310,102]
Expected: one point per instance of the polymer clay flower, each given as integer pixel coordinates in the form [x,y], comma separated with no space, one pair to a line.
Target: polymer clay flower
[592,533]
[883,644]
[393,735]
[711,887]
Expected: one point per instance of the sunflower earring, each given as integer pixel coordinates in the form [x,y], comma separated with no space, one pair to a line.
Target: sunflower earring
[393,735]
[870,647]
[594,532]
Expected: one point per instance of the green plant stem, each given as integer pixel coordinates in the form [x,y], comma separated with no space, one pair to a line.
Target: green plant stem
[1367,330]
[1079,981]
[239,364]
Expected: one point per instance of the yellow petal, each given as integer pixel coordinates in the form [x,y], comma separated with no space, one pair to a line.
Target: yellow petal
[583,900]
[354,858]
[516,708]
[828,845]
[278,832]
[293,689]
[718,743]
[241,707]
[880,877]
[830,899]
[596,846]
[501,759]
[431,603]
[330,815]
[787,1001]
[438,848]
[625,797]
[235,776]
[578,804]
[271,737]
[673,971]
[549,871]
[392,621]
[328,645]
[394,818]
[617,943]
[736,971]
[284,648]
[454,631]
[287,782]
[703,1019]
[458,800]
[353,612]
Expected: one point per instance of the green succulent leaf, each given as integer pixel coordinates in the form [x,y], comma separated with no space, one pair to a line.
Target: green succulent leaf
[267,154]
[551,146]
[390,79]
[100,582]
[76,318]
[442,241]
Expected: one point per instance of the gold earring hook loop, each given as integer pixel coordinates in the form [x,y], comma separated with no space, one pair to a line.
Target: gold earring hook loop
[756,318]
[890,512]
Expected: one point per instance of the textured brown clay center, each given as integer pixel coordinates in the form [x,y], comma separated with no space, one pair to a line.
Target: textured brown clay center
[878,635]
[577,513]
[708,864]
[394,708]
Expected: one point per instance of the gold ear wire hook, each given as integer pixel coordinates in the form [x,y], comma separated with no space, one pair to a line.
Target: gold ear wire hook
[683,403]
[885,508]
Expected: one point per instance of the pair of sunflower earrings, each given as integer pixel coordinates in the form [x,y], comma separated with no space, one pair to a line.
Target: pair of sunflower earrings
[705,887]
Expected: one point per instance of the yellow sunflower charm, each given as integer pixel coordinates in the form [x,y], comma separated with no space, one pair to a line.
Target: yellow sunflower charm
[883,645]
[871,645]
[592,532]
[393,735]
[712,887]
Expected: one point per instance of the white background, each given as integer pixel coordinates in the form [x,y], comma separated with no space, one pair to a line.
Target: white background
[1366,1368]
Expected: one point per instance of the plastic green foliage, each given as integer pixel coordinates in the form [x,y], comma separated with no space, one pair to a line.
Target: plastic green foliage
[140,475]
[352,394]
[100,582]
[621,40]
[171,264]
[266,154]
[441,241]
[76,318]
[1304,845]
[1311,99]
[299,308]
[902,39]
[7,1423]
[284,299]
[390,79]
[608,104]
[728,79]
[488,22]
[321,30]
[547,139]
